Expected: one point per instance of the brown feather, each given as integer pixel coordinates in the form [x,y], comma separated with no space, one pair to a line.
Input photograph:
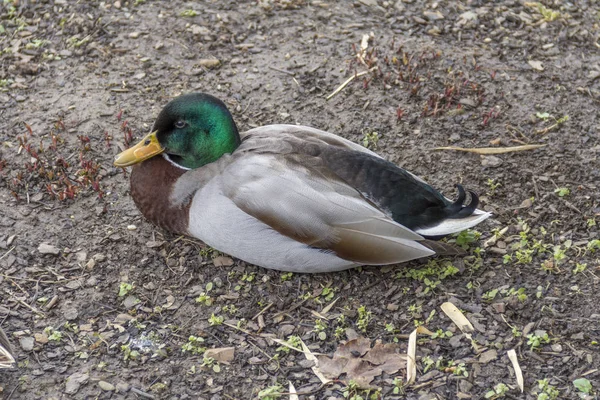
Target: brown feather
[151,186]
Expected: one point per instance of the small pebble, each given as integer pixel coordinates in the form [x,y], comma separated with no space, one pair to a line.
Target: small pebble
[45,248]
[107,387]
[26,343]
[131,227]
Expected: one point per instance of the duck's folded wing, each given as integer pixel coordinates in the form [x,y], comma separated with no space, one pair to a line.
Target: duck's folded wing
[312,206]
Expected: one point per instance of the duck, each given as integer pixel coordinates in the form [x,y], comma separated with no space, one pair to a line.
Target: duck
[286,197]
[7,360]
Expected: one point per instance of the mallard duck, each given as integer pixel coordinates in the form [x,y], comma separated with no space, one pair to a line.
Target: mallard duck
[6,358]
[285,197]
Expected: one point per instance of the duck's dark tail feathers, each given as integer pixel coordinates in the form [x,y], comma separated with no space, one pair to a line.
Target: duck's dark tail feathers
[457,217]
[458,209]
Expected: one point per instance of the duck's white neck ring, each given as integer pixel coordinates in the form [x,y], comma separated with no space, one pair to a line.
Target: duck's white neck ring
[173,163]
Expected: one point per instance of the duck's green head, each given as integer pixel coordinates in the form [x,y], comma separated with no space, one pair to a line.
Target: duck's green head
[193,130]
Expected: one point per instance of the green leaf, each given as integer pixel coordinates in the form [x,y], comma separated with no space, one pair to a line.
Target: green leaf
[583,385]
[543,116]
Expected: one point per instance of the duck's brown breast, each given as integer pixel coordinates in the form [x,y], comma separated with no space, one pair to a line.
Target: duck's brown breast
[151,185]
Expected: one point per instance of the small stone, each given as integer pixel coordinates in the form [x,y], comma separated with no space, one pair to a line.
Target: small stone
[122,387]
[130,301]
[139,76]
[117,4]
[577,336]
[306,363]
[26,343]
[369,3]
[99,257]
[91,281]
[106,386]
[41,338]
[392,307]
[465,386]
[433,15]
[45,248]
[131,227]
[556,347]
[537,65]
[199,30]
[499,307]
[81,256]
[90,264]
[75,381]
[488,356]
[209,62]
[71,314]
[491,161]
[159,45]
[286,330]
[134,35]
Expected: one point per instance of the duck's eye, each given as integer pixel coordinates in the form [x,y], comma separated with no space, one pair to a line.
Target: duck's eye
[147,142]
[180,124]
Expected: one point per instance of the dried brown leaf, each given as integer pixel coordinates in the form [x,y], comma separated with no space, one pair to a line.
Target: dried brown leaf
[221,354]
[361,363]
[493,150]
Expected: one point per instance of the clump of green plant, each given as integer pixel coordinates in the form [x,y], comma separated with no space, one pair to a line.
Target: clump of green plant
[53,335]
[583,385]
[320,327]
[370,140]
[271,393]
[353,391]
[441,334]
[292,341]
[364,317]
[579,268]
[129,353]
[547,391]
[286,276]
[562,191]
[431,275]
[210,362]
[194,345]
[593,245]
[535,341]
[466,237]
[189,13]
[215,320]
[125,288]
[497,392]
[591,222]
[398,386]
[548,14]
[492,185]
[205,299]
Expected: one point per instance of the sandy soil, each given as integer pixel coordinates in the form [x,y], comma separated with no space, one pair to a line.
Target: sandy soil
[101,304]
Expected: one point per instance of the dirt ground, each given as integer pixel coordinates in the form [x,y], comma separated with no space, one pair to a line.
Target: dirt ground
[100,304]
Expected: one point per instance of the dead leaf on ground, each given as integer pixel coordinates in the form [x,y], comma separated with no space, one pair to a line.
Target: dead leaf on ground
[360,363]
[222,261]
[221,354]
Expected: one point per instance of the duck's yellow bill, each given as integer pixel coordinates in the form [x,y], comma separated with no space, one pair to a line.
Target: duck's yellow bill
[146,148]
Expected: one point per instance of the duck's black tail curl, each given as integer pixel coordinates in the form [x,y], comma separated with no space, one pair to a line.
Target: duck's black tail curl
[458,209]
